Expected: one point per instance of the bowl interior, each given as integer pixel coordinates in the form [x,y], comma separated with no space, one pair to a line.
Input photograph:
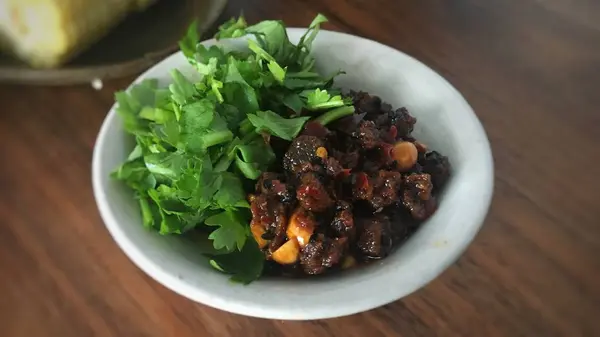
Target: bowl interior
[445,123]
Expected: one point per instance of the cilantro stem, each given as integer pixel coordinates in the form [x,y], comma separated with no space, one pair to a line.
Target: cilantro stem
[328,105]
[334,114]
[215,138]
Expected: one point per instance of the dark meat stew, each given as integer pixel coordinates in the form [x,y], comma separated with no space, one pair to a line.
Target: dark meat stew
[348,193]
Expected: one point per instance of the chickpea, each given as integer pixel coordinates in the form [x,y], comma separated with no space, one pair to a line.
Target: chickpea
[322,152]
[288,253]
[257,232]
[405,154]
[301,226]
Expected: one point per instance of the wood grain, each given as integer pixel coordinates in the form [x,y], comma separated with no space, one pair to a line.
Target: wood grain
[529,68]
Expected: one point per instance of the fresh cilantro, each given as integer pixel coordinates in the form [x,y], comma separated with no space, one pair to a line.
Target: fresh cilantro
[231,232]
[149,211]
[334,114]
[272,65]
[135,174]
[182,90]
[202,140]
[165,166]
[321,99]
[190,40]
[167,199]
[245,266]
[284,128]
[232,28]
[293,102]
[253,158]
[231,194]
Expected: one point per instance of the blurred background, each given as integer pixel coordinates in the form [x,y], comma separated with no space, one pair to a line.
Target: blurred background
[61,42]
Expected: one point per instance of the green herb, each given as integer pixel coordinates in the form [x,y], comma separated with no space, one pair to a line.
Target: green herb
[321,99]
[199,142]
[334,114]
[231,233]
[276,125]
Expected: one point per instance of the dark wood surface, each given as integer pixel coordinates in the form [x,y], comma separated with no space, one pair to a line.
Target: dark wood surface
[529,68]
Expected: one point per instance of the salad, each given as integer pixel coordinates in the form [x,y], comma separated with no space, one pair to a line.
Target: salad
[202,146]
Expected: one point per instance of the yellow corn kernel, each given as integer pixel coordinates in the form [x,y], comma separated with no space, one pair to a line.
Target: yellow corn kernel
[47,33]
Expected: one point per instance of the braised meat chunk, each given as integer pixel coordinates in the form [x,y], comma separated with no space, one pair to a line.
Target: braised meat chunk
[375,238]
[403,122]
[362,189]
[312,194]
[302,150]
[322,253]
[438,167]
[368,135]
[417,195]
[271,184]
[385,189]
[347,193]
[343,221]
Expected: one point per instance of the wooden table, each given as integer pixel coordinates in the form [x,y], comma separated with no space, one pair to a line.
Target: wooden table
[529,68]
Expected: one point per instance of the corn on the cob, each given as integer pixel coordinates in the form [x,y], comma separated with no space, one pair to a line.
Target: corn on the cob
[47,33]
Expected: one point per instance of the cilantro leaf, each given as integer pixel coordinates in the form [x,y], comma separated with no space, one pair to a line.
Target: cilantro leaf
[197,116]
[190,40]
[170,223]
[182,90]
[197,184]
[302,53]
[294,102]
[232,28]
[245,266]
[321,99]
[168,200]
[231,233]
[253,158]
[202,127]
[284,128]
[135,174]
[239,91]
[231,194]
[275,69]
[205,54]
[165,166]
[130,104]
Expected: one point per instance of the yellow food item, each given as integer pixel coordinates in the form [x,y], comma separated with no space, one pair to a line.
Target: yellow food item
[47,33]
[288,253]
[405,154]
[301,227]
[322,152]
[258,231]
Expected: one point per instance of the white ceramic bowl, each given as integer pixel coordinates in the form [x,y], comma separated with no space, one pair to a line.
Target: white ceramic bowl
[445,122]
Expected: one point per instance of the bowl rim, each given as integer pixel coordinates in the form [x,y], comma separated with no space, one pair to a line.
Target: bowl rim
[218,301]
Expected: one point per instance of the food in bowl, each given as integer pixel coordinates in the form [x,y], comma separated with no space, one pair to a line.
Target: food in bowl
[261,153]
[347,192]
